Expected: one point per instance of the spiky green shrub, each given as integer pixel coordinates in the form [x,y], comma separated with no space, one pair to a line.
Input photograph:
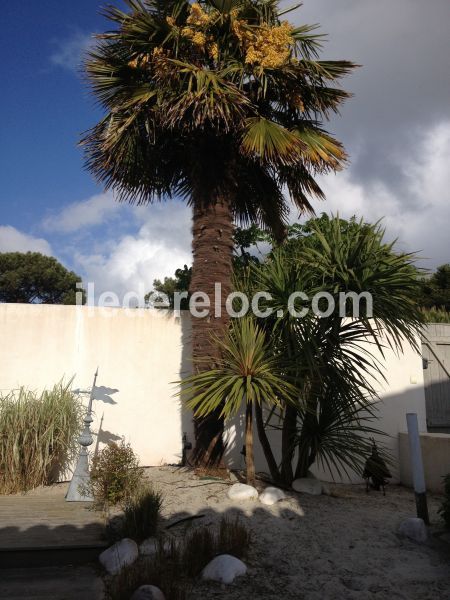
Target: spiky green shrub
[38,436]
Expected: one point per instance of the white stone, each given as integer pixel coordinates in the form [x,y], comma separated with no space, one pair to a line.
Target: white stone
[148,592]
[119,555]
[241,491]
[272,495]
[224,569]
[325,487]
[414,529]
[307,485]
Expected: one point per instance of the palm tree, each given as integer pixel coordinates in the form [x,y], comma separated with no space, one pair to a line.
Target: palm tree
[247,373]
[333,358]
[219,103]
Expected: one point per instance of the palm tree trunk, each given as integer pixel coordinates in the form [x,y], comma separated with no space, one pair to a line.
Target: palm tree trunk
[288,435]
[289,431]
[249,457]
[212,248]
[265,444]
[306,452]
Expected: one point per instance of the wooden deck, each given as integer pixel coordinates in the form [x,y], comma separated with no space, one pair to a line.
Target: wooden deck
[42,522]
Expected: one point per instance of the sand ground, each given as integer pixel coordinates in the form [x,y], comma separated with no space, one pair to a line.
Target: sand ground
[338,547]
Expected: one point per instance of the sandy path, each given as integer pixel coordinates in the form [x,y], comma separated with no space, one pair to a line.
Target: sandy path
[341,547]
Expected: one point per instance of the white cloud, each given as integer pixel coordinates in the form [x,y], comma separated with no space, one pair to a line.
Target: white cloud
[131,262]
[69,53]
[403,49]
[84,214]
[13,240]
[418,213]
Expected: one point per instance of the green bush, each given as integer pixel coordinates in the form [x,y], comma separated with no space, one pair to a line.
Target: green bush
[38,437]
[436,315]
[141,515]
[115,475]
[444,510]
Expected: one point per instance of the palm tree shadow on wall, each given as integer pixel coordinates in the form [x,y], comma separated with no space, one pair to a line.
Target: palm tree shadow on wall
[187,434]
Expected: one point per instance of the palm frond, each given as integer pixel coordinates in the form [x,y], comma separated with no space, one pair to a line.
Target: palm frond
[203,98]
[247,372]
[321,150]
[270,142]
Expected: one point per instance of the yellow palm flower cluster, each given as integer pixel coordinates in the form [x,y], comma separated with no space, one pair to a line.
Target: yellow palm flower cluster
[198,17]
[198,38]
[197,23]
[269,47]
[139,61]
[143,59]
[265,46]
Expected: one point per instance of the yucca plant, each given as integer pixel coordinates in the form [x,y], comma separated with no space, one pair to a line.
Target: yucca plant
[38,436]
[247,374]
[333,358]
[219,103]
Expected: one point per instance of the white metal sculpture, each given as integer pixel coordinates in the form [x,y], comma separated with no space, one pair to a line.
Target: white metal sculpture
[79,485]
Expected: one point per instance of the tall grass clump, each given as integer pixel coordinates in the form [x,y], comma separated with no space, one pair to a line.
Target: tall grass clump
[38,436]
[204,543]
[141,513]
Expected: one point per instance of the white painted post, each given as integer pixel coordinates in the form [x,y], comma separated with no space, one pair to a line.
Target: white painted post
[417,467]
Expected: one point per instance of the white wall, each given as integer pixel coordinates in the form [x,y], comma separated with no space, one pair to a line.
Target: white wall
[140,353]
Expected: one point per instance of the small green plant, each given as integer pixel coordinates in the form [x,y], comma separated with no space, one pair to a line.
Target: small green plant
[38,437]
[444,510]
[115,475]
[141,515]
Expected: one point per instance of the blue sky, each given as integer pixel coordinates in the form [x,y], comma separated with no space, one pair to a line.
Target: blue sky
[44,108]
[396,129]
